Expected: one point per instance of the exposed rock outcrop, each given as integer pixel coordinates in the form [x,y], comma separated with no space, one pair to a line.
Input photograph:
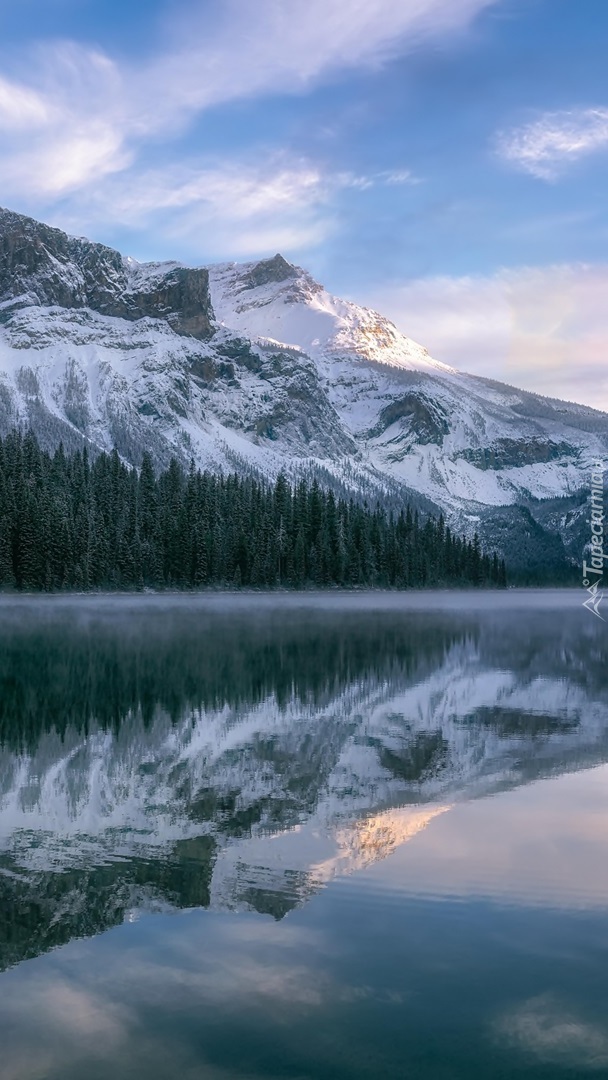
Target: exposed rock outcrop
[40,265]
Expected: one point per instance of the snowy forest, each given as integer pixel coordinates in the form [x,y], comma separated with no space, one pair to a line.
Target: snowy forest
[76,522]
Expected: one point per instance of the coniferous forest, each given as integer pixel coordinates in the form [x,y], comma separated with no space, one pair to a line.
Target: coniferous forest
[75,522]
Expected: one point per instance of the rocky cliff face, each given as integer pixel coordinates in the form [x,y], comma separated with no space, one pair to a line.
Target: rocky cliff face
[42,266]
[259,367]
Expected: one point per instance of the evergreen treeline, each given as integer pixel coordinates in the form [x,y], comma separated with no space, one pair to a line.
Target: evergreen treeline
[112,663]
[75,523]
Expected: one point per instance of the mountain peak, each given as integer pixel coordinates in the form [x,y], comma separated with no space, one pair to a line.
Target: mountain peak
[272,270]
[274,301]
[284,375]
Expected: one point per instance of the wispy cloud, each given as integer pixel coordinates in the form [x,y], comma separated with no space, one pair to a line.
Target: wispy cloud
[81,115]
[548,1029]
[68,130]
[542,328]
[546,146]
[397,177]
[226,208]
[230,208]
[272,46]
[22,109]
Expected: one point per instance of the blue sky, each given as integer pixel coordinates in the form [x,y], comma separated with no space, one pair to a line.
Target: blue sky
[443,160]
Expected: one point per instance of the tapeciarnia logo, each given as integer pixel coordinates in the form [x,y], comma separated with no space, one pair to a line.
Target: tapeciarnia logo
[592,603]
[593,572]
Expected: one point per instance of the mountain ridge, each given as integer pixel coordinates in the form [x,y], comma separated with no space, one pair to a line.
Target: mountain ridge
[256,366]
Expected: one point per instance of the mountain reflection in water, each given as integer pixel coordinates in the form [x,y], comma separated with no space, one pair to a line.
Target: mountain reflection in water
[162,754]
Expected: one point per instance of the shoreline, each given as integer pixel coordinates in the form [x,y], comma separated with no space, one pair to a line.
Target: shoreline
[528,597]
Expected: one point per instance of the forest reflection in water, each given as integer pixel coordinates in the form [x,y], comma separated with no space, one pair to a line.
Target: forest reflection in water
[237,754]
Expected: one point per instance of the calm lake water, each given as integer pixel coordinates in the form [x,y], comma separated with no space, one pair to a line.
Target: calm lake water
[303,837]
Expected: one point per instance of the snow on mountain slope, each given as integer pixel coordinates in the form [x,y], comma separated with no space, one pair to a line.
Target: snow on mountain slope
[443,433]
[259,366]
[274,302]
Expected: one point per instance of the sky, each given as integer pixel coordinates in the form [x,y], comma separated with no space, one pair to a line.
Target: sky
[444,161]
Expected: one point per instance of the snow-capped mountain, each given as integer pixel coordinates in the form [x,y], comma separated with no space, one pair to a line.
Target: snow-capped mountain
[257,366]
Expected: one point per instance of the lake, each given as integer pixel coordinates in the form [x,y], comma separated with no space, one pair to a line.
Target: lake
[303,836]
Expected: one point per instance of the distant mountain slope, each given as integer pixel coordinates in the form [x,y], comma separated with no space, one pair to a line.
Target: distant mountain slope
[257,366]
